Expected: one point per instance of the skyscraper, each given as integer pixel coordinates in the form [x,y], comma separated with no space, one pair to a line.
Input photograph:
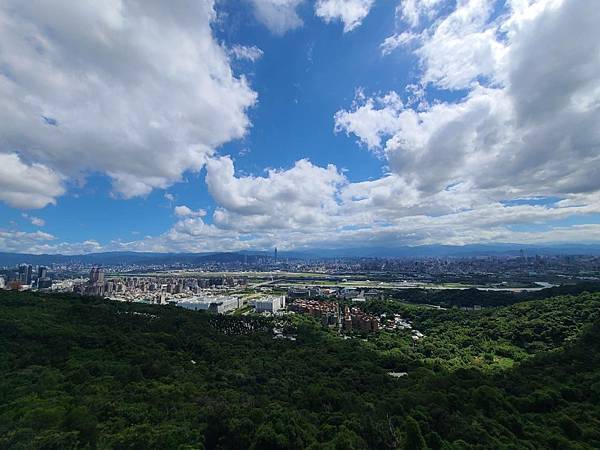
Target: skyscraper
[25,273]
[42,272]
[43,281]
[97,275]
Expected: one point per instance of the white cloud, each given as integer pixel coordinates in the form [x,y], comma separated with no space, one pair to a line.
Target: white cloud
[38,222]
[302,196]
[371,119]
[142,93]
[463,47]
[525,127]
[413,12]
[279,16]
[350,12]
[248,53]
[391,43]
[20,241]
[27,186]
[307,206]
[184,211]
[34,220]
[368,214]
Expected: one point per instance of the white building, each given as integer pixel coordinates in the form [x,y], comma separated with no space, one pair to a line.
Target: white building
[269,304]
[218,304]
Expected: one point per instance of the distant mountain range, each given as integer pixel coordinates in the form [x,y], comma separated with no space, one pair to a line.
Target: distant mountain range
[428,251]
[424,251]
[116,258]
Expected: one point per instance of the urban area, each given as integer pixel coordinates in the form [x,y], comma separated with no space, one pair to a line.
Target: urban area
[330,290]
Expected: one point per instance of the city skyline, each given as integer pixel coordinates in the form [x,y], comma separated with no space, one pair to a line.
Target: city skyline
[295,124]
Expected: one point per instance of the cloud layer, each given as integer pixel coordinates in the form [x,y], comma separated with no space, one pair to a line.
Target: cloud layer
[140,92]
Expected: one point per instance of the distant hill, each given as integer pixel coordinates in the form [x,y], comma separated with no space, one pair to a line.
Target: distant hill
[116,258]
[8,259]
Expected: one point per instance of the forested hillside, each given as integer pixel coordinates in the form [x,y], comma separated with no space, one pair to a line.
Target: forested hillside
[89,373]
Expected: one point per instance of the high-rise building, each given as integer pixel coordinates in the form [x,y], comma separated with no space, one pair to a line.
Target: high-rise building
[42,272]
[44,283]
[97,275]
[25,273]
[22,273]
[93,275]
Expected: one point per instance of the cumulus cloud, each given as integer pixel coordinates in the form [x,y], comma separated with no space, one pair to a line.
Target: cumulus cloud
[140,92]
[279,16]
[184,211]
[302,196]
[463,48]
[329,211]
[525,126]
[307,206]
[25,185]
[350,12]
[380,213]
[371,118]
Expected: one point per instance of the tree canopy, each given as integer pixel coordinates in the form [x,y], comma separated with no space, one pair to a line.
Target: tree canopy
[90,373]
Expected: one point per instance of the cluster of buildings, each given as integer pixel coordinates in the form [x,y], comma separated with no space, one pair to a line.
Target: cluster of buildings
[356,319]
[328,312]
[351,318]
[198,294]
[331,315]
[221,304]
[153,289]
[95,285]
[26,277]
[354,294]
[358,295]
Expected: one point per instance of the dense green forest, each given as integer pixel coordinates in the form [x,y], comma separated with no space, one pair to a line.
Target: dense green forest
[89,373]
[487,298]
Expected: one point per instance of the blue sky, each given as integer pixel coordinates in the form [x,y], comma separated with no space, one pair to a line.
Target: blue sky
[302,80]
[353,123]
